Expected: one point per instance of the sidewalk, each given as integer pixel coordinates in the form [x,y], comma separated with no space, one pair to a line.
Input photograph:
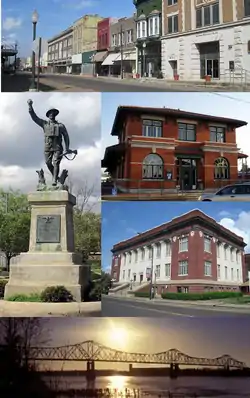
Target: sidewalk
[184,303]
[20,309]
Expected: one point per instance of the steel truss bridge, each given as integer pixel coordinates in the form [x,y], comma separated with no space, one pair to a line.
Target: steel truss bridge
[91,352]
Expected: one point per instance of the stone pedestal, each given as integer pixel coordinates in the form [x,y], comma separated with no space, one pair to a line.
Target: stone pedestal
[51,260]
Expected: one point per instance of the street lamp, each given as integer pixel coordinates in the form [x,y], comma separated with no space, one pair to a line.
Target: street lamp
[144,58]
[34,22]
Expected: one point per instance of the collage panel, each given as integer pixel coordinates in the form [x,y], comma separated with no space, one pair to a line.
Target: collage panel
[50,204]
[131,357]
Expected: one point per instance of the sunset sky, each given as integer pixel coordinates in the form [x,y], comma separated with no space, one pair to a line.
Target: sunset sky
[195,337]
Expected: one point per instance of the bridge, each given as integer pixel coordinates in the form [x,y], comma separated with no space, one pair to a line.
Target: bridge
[91,352]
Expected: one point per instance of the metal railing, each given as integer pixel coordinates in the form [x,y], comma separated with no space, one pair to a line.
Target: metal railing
[237,77]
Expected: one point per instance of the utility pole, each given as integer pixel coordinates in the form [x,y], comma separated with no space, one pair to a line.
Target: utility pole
[121,50]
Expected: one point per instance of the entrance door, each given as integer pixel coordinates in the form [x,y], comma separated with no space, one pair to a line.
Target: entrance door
[187,171]
[212,68]
[186,178]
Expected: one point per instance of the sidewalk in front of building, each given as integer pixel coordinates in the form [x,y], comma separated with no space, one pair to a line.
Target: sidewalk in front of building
[21,309]
[184,303]
[169,82]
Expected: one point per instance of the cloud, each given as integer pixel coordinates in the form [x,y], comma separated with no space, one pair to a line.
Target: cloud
[85,4]
[10,23]
[240,226]
[224,213]
[22,141]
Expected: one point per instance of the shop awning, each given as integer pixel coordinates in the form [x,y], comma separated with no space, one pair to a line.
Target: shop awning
[112,155]
[99,56]
[111,58]
[127,57]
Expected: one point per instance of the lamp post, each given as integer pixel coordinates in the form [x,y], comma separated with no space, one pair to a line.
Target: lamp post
[152,274]
[144,59]
[34,22]
[121,50]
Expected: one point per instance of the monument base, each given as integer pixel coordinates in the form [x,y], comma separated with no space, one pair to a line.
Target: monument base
[34,278]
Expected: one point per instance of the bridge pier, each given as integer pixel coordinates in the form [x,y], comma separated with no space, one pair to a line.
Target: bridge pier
[174,370]
[90,372]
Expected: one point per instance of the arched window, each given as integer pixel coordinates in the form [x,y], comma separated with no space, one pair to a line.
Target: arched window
[221,169]
[152,167]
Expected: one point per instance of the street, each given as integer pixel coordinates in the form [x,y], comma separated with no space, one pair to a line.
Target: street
[119,307]
[75,83]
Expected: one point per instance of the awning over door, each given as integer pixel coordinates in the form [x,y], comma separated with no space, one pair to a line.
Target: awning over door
[111,58]
[127,57]
[99,56]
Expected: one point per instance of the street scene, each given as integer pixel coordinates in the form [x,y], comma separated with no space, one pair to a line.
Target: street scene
[140,45]
[181,147]
[115,357]
[180,260]
[49,205]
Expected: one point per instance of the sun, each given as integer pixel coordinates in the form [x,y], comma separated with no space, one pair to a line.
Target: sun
[118,336]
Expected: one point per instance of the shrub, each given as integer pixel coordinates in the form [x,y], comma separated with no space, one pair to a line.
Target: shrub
[200,296]
[141,294]
[3,282]
[56,294]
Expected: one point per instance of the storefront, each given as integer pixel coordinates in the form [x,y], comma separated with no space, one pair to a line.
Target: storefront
[98,59]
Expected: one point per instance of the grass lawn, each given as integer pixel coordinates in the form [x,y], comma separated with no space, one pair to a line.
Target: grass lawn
[238,300]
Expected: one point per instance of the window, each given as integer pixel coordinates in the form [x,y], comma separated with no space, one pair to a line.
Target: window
[233,190]
[158,250]
[247,8]
[115,275]
[183,268]
[218,250]
[114,37]
[207,15]
[218,271]
[130,257]
[207,244]
[152,167]
[231,255]
[142,253]
[173,24]
[183,244]
[168,249]
[125,259]
[130,36]
[123,274]
[221,169]
[217,134]
[208,268]
[129,272]
[225,253]
[154,26]
[141,29]
[237,257]
[150,252]
[232,274]
[116,261]
[186,132]
[152,128]
[238,274]
[167,270]
[225,272]
[157,271]
[136,256]
[172,2]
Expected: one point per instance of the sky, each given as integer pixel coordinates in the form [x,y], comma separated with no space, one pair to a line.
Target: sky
[123,220]
[22,141]
[198,337]
[232,105]
[54,17]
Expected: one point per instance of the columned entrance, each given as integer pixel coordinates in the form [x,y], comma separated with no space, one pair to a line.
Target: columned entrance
[210,59]
[187,173]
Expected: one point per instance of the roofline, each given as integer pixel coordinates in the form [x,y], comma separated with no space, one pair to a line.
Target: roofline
[169,111]
[172,223]
[62,33]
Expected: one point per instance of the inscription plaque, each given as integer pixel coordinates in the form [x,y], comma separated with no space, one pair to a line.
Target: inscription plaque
[48,229]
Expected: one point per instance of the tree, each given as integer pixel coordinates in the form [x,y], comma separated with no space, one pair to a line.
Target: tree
[14,224]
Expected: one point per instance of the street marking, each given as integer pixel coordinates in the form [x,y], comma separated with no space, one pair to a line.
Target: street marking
[163,312]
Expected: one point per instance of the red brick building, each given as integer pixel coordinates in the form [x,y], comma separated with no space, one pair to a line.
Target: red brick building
[191,253]
[103,44]
[162,148]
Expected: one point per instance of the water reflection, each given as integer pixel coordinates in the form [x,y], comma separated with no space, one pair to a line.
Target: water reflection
[118,382]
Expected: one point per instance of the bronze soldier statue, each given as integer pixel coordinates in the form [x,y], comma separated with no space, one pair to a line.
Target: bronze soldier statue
[54,131]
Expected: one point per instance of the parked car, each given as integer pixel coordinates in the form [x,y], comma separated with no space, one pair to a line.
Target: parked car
[237,192]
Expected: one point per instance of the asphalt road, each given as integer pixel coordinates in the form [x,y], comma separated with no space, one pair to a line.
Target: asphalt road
[118,307]
[117,85]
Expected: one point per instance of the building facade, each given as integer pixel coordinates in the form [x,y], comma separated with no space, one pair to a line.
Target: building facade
[84,42]
[206,38]
[168,149]
[191,253]
[148,39]
[122,51]
[60,52]
[103,44]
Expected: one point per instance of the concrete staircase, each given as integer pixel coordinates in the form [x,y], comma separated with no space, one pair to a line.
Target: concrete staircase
[124,289]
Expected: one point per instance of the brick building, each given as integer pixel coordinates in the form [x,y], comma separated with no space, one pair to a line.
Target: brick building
[103,44]
[190,253]
[168,149]
[206,38]
[60,49]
